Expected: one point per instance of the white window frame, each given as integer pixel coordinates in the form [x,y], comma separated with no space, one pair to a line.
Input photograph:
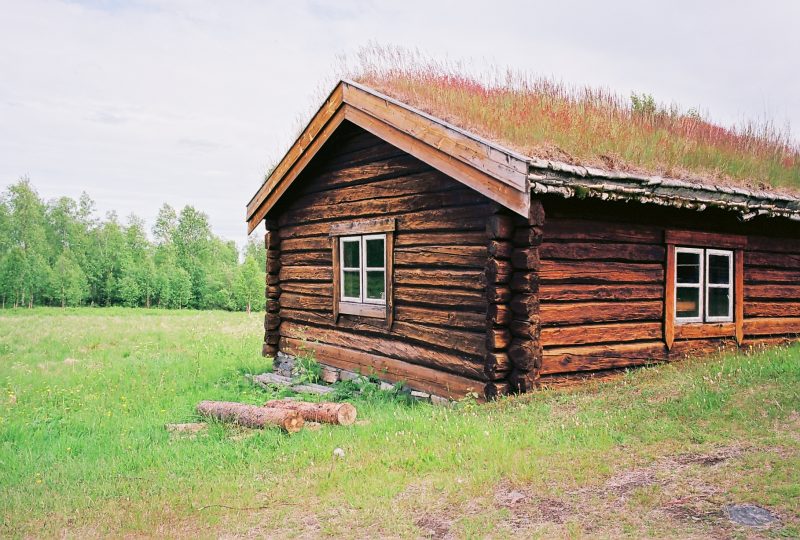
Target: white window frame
[704,285]
[365,268]
[342,268]
[361,269]
[708,285]
[699,285]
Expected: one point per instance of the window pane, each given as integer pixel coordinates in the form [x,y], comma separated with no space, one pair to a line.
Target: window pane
[688,267]
[719,302]
[687,302]
[352,284]
[375,251]
[351,258]
[376,284]
[719,269]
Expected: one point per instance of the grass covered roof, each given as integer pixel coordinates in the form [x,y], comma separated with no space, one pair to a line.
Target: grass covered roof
[586,126]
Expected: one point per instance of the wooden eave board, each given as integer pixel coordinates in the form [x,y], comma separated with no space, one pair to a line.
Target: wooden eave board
[495,172]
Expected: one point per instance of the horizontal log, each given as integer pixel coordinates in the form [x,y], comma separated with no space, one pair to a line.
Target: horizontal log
[305,273]
[437,256]
[305,302]
[500,249]
[435,238]
[789,261]
[705,330]
[271,321]
[597,312]
[394,348]
[312,288]
[600,333]
[771,292]
[498,271]
[342,414]
[600,272]
[497,339]
[526,329]
[375,164]
[455,299]
[307,258]
[603,251]
[498,314]
[412,179]
[577,292]
[603,231]
[251,416]
[771,326]
[498,295]
[456,219]
[380,207]
[525,355]
[273,265]
[781,245]
[453,339]
[528,236]
[771,309]
[523,306]
[472,279]
[525,259]
[441,317]
[500,227]
[497,365]
[704,239]
[433,381]
[771,275]
[525,282]
[596,357]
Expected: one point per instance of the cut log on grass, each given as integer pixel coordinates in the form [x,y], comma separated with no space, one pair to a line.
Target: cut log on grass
[251,415]
[330,413]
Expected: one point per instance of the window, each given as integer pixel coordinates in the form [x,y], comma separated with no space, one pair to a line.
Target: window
[703,285]
[363,269]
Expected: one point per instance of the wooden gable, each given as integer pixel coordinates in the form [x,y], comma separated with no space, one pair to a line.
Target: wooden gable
[498,173]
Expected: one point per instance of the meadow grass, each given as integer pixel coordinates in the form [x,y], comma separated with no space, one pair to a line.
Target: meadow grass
[85,394]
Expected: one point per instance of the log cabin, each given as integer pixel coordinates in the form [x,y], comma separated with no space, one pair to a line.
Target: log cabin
[402,246]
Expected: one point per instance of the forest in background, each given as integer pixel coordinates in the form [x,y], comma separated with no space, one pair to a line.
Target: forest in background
[60,253]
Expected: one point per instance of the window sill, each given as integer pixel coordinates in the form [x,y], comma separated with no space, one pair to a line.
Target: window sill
[704,330]
[377,311]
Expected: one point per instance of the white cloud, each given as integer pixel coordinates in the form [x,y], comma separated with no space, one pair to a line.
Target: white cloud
[140,103]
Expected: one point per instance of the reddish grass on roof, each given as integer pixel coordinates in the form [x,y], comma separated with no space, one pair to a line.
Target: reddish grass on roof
[584,126]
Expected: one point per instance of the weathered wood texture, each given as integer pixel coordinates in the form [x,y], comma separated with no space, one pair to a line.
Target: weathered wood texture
[602,296]
[438,341]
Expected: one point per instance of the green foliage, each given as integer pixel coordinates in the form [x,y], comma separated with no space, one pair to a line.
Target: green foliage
[306,368]
[59,253]
[643,104]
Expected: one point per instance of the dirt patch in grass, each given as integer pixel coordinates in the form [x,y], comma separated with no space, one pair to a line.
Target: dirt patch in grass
[673,493]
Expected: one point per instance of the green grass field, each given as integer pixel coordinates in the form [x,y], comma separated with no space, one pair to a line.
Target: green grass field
[85,394]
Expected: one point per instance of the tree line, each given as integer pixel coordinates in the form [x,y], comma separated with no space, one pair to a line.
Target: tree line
[60,253]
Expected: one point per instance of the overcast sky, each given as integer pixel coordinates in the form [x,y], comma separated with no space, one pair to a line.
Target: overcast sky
[187,102]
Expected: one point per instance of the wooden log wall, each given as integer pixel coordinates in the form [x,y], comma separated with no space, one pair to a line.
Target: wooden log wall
[771,287]
[273,290]
[602,289]
[438,341]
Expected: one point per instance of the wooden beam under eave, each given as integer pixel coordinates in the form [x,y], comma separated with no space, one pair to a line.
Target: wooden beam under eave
[514,199]
[286,180]
[317,124]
